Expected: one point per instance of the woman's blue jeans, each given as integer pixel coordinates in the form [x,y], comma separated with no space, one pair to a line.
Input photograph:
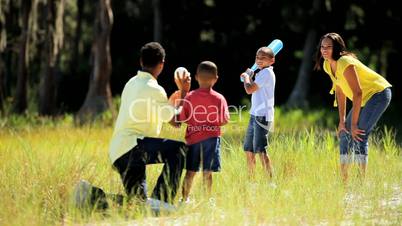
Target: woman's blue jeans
[368,118]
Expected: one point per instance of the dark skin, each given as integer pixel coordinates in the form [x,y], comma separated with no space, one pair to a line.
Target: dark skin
[206,81]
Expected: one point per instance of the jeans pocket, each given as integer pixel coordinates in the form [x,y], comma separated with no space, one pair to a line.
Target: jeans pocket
[261,120]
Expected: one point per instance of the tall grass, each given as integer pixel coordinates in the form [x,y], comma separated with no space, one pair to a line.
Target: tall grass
[40,162]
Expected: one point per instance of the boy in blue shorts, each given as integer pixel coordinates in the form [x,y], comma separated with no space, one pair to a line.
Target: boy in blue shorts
[204,111]
[262,109]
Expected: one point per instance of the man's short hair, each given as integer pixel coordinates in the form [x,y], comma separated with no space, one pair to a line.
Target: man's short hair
[152,54]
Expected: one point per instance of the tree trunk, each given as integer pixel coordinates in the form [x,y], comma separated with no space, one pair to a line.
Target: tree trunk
[54,33]
[75,56]
[21,102]
[157,21]
[10,53]
[298,97]
[2,93]
[3,44]
[99,97]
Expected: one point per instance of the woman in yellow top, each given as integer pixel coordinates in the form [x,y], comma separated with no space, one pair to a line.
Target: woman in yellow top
[369,92]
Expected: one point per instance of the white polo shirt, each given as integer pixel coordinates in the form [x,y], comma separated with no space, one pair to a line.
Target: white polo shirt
[143,109]
[262,100]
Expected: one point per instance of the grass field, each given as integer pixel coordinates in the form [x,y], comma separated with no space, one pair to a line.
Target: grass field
[42,159]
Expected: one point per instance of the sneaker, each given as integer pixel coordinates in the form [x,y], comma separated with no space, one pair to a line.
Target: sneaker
[158,206]
[212,202]
[82,194]
[86,195]
[185,203]
[272,185]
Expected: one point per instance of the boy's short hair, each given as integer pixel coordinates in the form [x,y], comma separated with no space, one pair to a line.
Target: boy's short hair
[152,54]
[207,67]
[266,52]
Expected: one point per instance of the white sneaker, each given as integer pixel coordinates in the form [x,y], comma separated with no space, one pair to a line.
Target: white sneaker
[212,202]
[82,194]
[272,185]
[185,202]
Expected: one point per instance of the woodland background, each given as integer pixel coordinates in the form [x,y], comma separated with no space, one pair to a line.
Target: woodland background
[74,56]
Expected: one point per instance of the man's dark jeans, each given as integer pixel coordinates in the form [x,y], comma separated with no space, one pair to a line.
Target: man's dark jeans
[132,165]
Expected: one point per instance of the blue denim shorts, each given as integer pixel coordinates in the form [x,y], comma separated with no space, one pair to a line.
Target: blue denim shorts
[368,118]
[207,152]
[256,139]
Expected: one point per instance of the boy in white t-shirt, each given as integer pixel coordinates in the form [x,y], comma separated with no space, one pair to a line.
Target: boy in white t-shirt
[262,109]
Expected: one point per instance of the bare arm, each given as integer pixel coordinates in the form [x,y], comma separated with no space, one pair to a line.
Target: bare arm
[354,84]
[174,121]
[249,85]
[183,83]
[341,100]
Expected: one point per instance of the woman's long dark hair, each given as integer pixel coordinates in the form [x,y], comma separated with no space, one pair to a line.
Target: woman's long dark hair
[338,49]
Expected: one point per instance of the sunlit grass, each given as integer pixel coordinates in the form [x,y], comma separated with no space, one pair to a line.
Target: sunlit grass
[40,162]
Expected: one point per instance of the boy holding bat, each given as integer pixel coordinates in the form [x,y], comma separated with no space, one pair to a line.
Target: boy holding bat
[262,109]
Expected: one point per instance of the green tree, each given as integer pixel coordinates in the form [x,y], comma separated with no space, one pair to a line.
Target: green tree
[299,94]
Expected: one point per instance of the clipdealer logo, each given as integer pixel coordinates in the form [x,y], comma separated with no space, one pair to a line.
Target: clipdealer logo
[199,113]
[153,110]
[206,116]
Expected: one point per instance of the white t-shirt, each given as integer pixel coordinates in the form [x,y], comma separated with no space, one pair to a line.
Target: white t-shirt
[262,100]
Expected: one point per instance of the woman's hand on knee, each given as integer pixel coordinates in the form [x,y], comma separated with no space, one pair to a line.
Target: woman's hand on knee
[356,133]
[341,127]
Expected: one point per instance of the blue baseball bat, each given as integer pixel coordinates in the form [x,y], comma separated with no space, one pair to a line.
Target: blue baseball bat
[276,45]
